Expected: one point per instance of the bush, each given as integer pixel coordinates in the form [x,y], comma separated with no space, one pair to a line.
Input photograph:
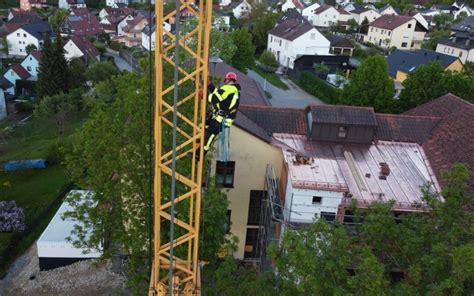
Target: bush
[25,106]
[268,59]
[115,45]
[319,88]
[12,217]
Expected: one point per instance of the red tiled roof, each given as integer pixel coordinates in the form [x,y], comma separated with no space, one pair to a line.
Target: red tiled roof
[20,71]
[37,55]
[405,128]
[85,26]
[133,22]
[343,11]
[390,21]
[453,139]
[277,120]
[82,12]
[86,47]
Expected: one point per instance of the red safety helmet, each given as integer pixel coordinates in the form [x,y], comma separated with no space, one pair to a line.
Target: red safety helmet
[231,76]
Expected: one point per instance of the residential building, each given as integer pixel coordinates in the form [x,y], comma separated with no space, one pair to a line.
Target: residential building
[388,9]
[224,2]
[81,23]
[16,72]
[123,23]
[359,14]
[29,4]
[341,46]
[465,10]
[82,48]
[401,62]
[422,20]
[461,42]
[442,8]
[29,35]
[6,86]
[293,4]
[146,36]
[110,23]
[71,4]
[290,39]
[344,16]
[420,4]
[401,32]
[132,33]
[333,63]
[116,12]
[111,3]
[308,11]
[240,9]
[20,19]
[31,64]
[12,12]
[325,16]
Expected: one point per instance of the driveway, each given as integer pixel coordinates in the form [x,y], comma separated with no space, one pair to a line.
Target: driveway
[120,62]
[295,97]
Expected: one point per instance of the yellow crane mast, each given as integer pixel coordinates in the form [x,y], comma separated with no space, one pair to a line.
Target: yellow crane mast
[179,115]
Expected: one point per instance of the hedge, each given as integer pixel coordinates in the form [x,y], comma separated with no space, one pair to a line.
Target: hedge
[319,88]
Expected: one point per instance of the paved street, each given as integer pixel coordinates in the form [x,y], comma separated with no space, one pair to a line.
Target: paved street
[294,97]
[120,62]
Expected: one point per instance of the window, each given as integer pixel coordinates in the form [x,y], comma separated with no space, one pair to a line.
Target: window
[404,44]
[342,132]
[271,38]
[17,34]
[24,35]
[31,58]
[313,35]
[328,216]
[225,173]
[412,44]
[28,68]
[280,42]
[251,240]
[371,29]
[383,31]
[460,54]
[409,26]
[389,33]
[255,205]
[317,200]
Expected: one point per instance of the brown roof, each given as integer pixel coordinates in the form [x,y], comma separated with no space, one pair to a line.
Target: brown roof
[405,128]
[22,73]
[453,139]
[322,8]
[350,115]
[277,120]
[343,11]
[86,47]
[133,22]
[390,21]
[251,92]
[290,30]
[37,55]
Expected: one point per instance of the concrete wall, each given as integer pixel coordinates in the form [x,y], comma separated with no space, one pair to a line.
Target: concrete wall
[251,156]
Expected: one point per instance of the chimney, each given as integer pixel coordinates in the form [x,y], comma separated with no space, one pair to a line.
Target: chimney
[468,41]
[384,171]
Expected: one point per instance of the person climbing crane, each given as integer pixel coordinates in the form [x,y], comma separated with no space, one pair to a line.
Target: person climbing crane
[224,103]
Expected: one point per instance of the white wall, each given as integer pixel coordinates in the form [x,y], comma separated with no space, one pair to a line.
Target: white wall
[287,5]
[72,51]
[123,24]
[310,43]
[308,12]
[463,54]
[242,9]
[112,2]
[3,105]
[327,18]
[19,40]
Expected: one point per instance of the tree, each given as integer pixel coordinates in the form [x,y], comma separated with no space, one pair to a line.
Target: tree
[222,46]
[431,253]
[244,55]
[44,86]
[101,71]
[53,70]
[77,73]
[434,37]
[30,47]
[57,19]
[468,68]
[260,29]
[443,21]
[60,65]
[370,85]
[268,59]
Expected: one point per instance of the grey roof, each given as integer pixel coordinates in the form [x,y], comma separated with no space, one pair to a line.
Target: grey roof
[458,43]
[38,30]
[466,25]
[292,15]
[290,30]
[358,9]
[4,83]
[350,115]
[338,41]
[409,61]
[25,18]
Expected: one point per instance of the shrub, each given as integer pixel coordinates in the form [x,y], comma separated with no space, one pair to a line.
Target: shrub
[268,59]
[12,217]
[319,88]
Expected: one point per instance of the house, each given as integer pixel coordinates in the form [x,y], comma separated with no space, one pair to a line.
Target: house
[307,63]
[71,4]
[29,4]
[465,10]
[402,32]
[146,36]
[81,47]
[30,35]
[31,64]
[290,39]
[12,12]
[81,23]
[3,106]
[240,9]
[132,32]
[16,72]
[341,46]
[424,21]
[344,16]
[325,16]
[420,4]
[359,14]
[6,86]
[293,4]
[441,8]
[123,23]
[349,6]
[461,43]
[117,12]
[388,9]
[110,23]
[20,19]
[111,3]
[308,11]
[401,62]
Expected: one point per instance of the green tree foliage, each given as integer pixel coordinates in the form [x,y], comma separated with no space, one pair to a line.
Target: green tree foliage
[432,252]
[244,55]
[260,29]
[57,18]
[30,47]
[431,81]
[77,72]
[434,37]
[319,88]
[468,68]
[101,71]
[370,85]
[443,20]
[222,46]
[267,58]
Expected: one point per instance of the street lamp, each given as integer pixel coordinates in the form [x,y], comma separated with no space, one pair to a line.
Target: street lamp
[215,60]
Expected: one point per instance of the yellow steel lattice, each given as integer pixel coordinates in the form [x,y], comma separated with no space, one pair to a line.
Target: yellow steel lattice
[193,71]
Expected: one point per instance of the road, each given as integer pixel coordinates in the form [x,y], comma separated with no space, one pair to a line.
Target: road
[121,63]
[294,97]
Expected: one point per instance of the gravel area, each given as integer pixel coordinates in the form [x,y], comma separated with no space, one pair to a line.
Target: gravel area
[84,278]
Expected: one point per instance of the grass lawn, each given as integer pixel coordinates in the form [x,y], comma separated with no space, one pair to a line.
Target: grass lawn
[271,77]
[33,190]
